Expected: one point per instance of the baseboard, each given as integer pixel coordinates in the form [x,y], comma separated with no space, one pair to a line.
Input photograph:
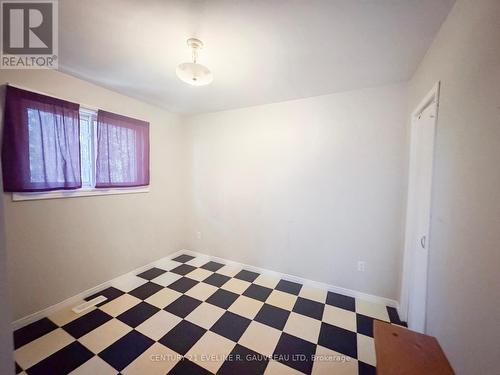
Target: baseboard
[301,280]
[19,323]
[314,284]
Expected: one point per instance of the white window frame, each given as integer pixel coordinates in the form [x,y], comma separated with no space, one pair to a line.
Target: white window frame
[85,191]
[88,113]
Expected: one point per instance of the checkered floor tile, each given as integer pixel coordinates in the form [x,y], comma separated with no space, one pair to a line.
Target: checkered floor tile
[197,316]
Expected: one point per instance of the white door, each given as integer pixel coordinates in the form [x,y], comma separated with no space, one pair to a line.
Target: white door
[419,212]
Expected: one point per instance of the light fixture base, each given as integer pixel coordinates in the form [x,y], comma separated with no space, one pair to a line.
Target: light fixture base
[195,43]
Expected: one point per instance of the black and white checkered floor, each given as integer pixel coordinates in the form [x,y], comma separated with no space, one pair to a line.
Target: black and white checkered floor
[191,315]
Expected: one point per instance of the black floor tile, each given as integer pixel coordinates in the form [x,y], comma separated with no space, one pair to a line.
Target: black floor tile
[183,258]
[63,361]
[183,269]
[366,369]
[243,361]
[83,325]
[186,367]
[146,290]
[121,353]
[309,308]
[394,316]
[272,316]
[339,340]
[183,284]
[212,266]
[151,273]
[222,298]
[364,325]
[18,368]
[295,352]
[258,292]
[183,306]
[339,300]
[31,332]
[182,337]
[231,326]
[289,287]
[138,314]
[246,275]
[110,293]
[217,280]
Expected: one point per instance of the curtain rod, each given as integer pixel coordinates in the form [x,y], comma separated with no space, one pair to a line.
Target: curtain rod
[82,105]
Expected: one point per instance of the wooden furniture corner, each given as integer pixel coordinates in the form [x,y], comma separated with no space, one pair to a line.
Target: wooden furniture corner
[400,351]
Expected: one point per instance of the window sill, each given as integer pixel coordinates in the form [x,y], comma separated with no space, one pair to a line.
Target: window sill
[56,194]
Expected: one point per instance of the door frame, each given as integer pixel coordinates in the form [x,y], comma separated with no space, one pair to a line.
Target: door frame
[410,230]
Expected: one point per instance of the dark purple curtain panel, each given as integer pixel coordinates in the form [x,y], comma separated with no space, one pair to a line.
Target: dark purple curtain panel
[41,143]
[122,151]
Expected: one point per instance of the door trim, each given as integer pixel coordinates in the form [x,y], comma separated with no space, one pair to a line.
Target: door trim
[431,97]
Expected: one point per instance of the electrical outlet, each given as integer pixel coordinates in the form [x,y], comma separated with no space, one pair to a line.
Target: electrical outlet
[198,235]
[361,266]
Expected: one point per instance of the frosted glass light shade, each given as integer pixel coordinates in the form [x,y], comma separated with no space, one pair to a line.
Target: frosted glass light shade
[195,74]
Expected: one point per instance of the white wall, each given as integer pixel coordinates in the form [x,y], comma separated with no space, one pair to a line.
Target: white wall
[464,281]
[60,247]
[307,187]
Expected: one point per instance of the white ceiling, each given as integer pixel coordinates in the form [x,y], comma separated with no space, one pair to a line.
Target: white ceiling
[260,51]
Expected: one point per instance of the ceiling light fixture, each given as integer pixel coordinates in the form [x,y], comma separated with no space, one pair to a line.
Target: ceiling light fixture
[193,73]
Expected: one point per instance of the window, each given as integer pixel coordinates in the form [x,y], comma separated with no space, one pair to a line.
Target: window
[53,148]
[114,150]
[35,139]
[88,122]
[41,146]
[124,170]
[88,126]
[122,158]
[48,147]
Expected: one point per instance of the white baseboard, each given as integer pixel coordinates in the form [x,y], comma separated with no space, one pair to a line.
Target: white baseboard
[301,280]
[314,284]
[71,301]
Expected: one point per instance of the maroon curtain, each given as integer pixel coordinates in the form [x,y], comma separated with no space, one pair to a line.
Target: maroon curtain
[122,151]
[41,143]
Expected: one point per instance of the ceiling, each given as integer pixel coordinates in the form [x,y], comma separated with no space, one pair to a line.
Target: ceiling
[260,51]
